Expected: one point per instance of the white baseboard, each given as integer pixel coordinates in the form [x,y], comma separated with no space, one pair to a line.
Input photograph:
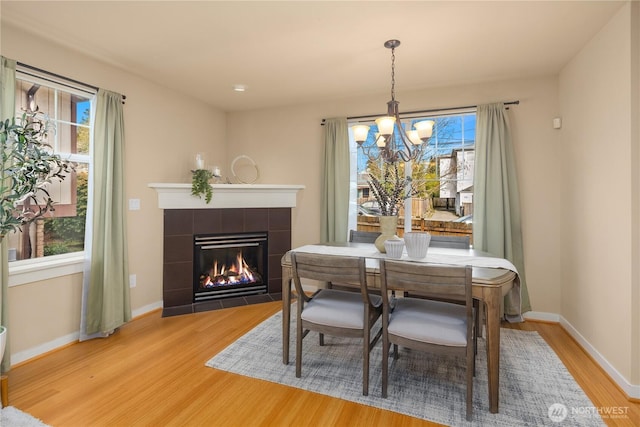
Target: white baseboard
[23,356]
[38,350]
[632,390]
[542,316]
[146,309]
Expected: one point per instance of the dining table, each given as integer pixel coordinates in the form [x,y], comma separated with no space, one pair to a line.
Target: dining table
[493,279]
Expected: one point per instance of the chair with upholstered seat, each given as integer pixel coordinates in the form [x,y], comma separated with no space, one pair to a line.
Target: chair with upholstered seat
[445,241]
[429,325]
[457,242]
[356,237]
[332,311]
[363,236]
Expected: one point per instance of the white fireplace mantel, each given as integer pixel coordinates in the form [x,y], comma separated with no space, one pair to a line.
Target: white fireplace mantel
[226,196]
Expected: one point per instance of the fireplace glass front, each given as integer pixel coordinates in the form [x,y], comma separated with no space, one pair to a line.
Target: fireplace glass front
[229,265]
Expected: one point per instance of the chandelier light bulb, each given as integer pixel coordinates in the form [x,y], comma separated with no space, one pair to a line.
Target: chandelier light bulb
[414,137]
[360,133]
[385,125]
[424,128]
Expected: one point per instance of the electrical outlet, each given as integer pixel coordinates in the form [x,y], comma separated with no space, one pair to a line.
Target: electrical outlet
[132,280]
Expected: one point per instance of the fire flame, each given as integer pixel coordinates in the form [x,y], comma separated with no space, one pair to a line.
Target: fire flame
[237,273]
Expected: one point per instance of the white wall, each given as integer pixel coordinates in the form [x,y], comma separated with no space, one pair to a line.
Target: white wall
[598,274]
[163,130]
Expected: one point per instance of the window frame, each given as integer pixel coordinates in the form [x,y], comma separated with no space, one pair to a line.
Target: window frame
[407,121]
[32,270]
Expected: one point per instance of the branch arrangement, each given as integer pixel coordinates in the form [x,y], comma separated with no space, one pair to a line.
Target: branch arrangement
[392,190]
[28,166]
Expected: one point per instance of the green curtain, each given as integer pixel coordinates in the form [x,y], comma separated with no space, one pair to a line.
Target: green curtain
[106,304]
[7,111]
[496,200]
[335,182]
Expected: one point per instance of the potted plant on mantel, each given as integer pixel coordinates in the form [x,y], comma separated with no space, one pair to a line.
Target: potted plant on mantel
[390,191]
[27,166]
[200,184]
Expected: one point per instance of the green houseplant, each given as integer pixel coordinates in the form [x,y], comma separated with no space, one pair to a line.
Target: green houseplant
[28,165]
[200,184]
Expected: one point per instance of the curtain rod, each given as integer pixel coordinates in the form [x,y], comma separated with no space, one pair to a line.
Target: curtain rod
[435,110]
[58,76]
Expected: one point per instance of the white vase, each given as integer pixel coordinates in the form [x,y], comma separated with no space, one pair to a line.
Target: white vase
[417,244]
[394,248]
[388,228]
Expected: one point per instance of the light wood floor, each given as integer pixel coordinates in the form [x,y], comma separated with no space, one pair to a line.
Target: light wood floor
[152,373]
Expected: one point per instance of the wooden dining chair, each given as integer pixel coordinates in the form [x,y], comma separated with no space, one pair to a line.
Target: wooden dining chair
[429,325]
[356,237]
[445,241]
[363,236]
[458,242]
[332,311]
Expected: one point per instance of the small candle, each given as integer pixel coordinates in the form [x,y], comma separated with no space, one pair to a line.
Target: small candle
[216,171]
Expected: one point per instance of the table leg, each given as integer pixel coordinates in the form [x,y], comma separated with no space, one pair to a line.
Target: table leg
[492,304]
[4,390]
[286,314]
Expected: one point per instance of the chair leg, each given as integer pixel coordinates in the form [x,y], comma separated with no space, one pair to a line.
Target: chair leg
[476,319]
[365,366]
[471,367]
[395,352]
[321,339]
[479,316]
[385,366]
[299,337]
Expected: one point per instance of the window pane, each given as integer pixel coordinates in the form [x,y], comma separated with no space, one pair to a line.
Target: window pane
[83,117]
[59,231]
[444,174]
[72,139]
[68,116]
[64,228]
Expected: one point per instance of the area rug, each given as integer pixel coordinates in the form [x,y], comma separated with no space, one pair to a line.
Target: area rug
[13,417]
[535,387]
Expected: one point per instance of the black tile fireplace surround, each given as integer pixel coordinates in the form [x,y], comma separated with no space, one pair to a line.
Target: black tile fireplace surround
[180,226]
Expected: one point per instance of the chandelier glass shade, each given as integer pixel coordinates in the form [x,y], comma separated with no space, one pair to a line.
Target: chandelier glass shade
[392,143]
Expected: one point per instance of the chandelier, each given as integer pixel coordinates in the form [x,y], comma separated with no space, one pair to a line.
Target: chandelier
[392,143]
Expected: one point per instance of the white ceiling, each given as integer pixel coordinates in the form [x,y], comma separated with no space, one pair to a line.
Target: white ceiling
[294,52]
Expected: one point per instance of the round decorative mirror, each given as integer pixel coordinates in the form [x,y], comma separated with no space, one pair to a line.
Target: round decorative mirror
[244,169]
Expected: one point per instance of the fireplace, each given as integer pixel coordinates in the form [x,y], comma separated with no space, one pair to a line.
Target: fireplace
[182,226]
[234,209]
[229,265]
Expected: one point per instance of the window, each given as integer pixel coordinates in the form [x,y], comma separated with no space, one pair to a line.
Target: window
[68,111]
[443,176]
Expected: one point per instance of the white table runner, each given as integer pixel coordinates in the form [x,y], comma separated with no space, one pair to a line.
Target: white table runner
[435,256]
